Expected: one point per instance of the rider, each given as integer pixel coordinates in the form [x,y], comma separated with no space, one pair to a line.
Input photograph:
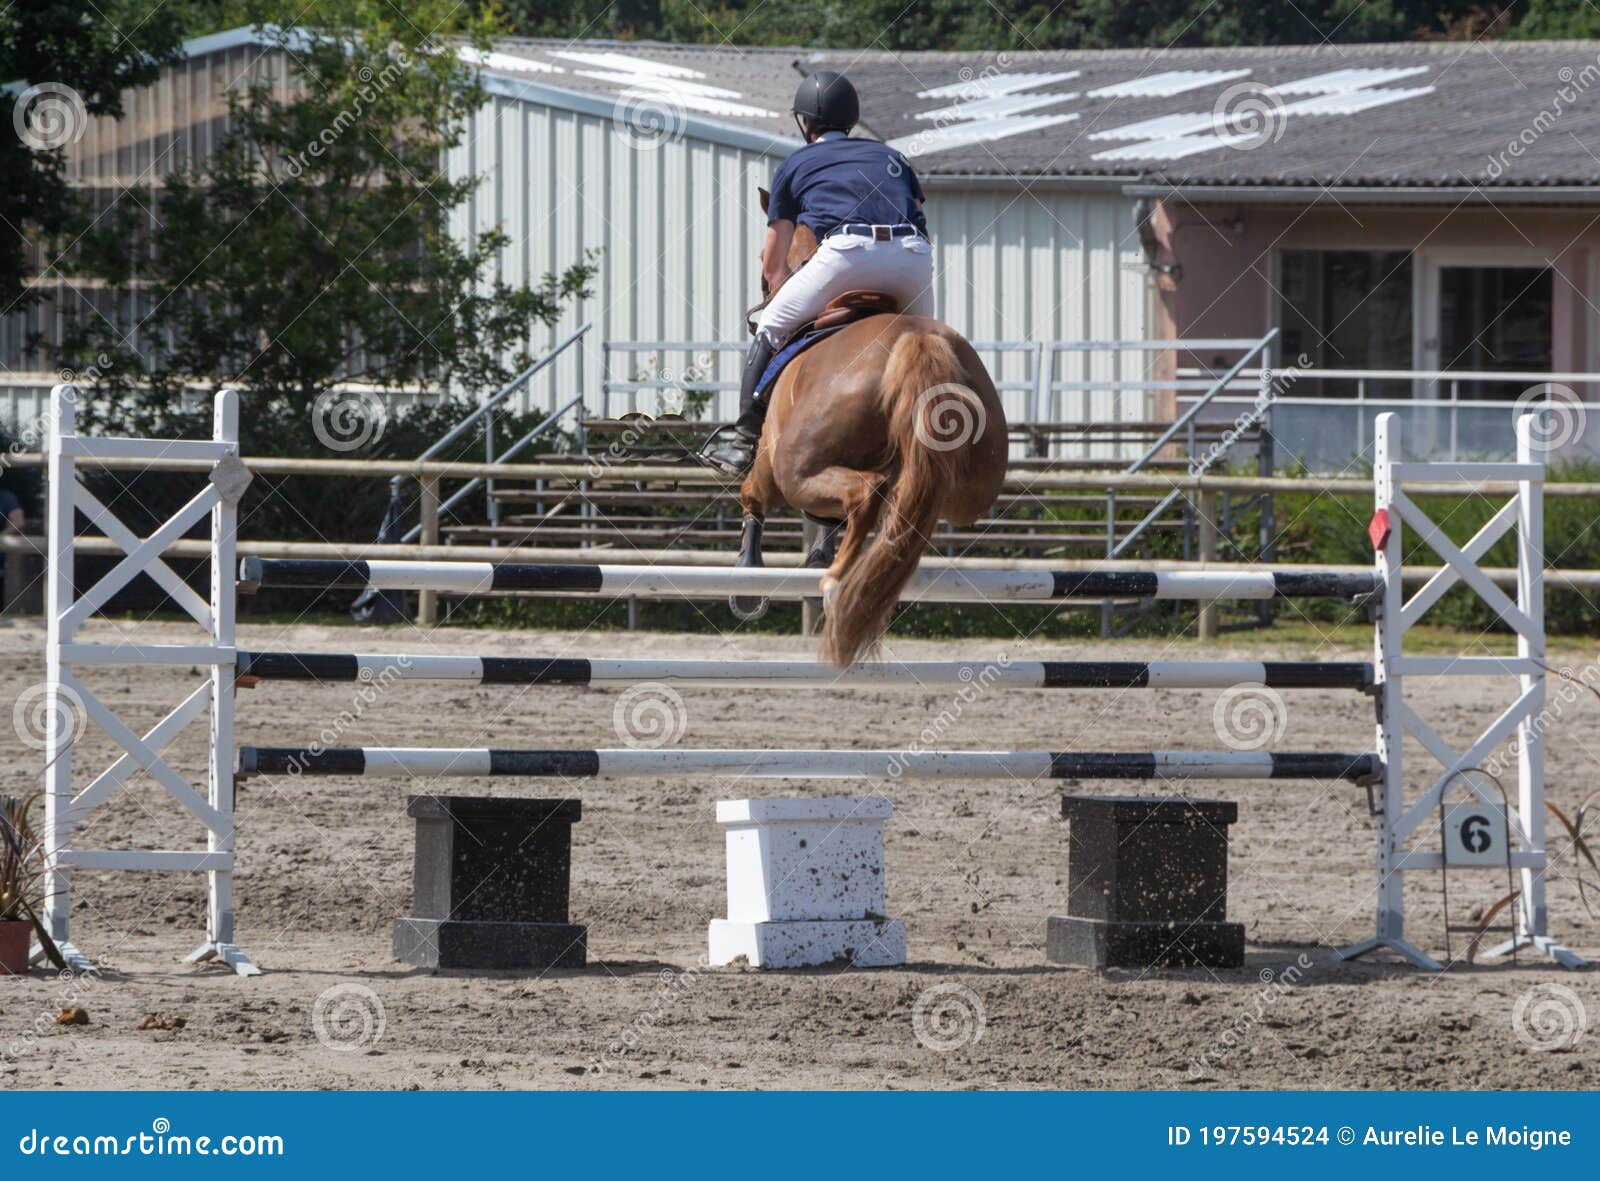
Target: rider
[864,204]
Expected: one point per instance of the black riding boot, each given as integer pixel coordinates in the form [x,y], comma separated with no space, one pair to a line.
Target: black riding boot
[732,450]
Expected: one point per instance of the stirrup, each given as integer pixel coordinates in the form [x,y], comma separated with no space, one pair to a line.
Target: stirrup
[731,450]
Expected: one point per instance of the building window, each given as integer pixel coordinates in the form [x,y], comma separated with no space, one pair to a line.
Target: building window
[1345,309]
[1494,319]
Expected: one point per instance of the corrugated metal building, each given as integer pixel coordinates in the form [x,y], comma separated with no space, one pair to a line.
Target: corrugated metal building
[570,161]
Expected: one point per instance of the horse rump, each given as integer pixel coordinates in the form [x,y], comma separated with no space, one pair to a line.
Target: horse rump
[936,422]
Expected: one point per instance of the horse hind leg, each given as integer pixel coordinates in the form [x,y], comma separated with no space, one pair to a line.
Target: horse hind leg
[856,498]
[822,553]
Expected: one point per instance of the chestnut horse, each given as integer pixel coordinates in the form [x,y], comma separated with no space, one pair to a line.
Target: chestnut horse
[889,424]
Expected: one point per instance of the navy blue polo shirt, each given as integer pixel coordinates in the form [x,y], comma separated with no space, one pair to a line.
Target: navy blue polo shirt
[837,180]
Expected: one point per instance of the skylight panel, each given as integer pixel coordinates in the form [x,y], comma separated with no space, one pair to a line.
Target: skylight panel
[987,85]
[626,63]
[942,139]
[1004,104]
[506,61]
[1166,85]
[1344,81]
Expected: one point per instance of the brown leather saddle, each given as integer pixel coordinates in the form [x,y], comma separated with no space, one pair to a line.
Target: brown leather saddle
[848,306]
[842,309]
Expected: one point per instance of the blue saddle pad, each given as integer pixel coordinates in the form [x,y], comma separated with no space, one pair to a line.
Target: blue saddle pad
[791,349]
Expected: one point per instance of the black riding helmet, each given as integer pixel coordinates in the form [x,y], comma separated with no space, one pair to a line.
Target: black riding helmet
[828,100]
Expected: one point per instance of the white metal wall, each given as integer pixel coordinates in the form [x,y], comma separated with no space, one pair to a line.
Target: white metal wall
[681,231]
[1040,263]
[678,225]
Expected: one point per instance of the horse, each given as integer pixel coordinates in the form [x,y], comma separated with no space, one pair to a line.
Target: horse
[889,424]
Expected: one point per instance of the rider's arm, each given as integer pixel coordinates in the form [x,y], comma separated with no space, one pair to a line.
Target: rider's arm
[775,253]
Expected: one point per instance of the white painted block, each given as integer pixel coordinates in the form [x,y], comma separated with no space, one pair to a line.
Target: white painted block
[866,943]
[805,859]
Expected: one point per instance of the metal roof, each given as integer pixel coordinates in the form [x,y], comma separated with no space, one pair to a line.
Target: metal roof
[1497,115]
[1420,114]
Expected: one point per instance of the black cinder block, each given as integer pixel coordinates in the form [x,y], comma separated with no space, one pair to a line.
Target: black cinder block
[1147,884]
[491,878]
[445,943]
[1090,943]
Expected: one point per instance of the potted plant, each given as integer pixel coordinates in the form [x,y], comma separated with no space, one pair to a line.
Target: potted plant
[21,878]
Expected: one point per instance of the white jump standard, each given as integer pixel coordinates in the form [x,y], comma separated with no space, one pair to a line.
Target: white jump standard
[1399,822]
[338,668]
[471,762]
[67,807]
[941,586]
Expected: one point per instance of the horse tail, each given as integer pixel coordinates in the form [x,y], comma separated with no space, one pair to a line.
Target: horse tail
[933,417]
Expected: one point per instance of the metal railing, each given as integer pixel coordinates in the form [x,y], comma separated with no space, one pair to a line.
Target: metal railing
[485,414]
[1443,423]
[1186,421]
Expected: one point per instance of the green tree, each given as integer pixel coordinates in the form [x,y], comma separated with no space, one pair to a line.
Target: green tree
[313,245]
[62,61]
[1004,24]
[1559,20]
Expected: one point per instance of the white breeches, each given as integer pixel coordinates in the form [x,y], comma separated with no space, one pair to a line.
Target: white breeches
[902,267]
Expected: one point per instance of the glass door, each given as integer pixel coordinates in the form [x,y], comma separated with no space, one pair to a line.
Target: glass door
[1486,315]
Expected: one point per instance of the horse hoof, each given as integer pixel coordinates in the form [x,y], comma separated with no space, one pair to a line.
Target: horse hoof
[747,609]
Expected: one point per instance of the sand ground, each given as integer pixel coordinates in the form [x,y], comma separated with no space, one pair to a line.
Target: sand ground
[973,870]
